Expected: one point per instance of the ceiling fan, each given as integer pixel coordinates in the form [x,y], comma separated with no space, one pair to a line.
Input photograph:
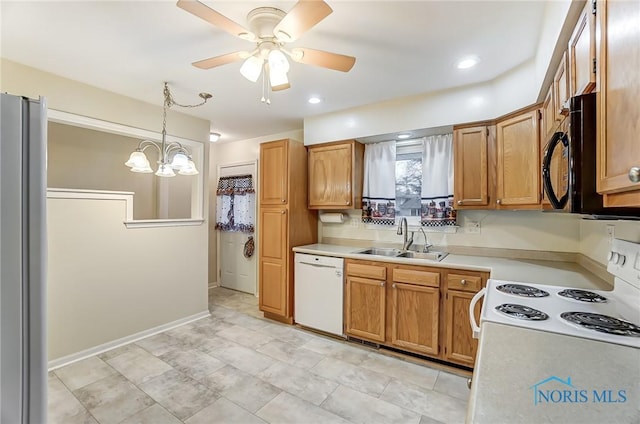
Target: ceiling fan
[271,29]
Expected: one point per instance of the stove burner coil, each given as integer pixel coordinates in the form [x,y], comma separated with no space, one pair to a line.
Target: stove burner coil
[583,296]
[602,323]
[521,312]
[522,290]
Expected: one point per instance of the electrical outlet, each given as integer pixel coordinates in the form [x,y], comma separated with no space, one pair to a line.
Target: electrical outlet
[355,222]
[610,233]
[472,227]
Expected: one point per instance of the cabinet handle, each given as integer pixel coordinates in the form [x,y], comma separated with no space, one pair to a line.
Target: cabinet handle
[459,202]
[634,174]
[393,286]
[498,201]
[382,284]
[348,203]
[463,282]
[283,200]
[282,212]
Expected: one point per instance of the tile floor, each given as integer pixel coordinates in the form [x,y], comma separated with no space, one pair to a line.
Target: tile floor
[236,367]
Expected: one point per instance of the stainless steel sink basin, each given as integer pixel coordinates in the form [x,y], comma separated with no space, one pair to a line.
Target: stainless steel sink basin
[397,253]
[434,256]
[381,251]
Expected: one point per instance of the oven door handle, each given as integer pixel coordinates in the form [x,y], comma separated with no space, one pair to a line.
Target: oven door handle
[475,328]
[556,203]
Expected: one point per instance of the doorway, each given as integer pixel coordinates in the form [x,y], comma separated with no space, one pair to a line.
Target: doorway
[235,270]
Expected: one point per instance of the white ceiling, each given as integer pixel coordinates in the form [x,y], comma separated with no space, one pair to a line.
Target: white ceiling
[402,48]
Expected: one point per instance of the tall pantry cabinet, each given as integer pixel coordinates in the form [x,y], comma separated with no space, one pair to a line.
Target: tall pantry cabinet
[284,222]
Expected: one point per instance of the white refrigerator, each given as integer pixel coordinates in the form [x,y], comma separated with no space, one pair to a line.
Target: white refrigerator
[23,260]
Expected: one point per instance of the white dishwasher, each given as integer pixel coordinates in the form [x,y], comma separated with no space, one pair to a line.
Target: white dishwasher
[319,293]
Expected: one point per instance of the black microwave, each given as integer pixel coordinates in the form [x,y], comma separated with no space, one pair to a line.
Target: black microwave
[569,165]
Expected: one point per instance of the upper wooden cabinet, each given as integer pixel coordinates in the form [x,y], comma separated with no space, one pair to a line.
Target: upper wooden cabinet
[274,171]
[471,167]
[549,123]
[335,175]
[582,53]
[618,153]
[518,161]
[561,91]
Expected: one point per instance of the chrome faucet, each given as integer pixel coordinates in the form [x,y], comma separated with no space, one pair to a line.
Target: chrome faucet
[406,242]
[427,245]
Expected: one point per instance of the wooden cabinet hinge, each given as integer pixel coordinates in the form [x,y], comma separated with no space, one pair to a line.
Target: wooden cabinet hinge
[594,65]
[487,129]
[594,6]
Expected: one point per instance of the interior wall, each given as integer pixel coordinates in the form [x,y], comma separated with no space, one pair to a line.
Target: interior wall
[526,230]
[85,159]
[226,154]
[106,282]
[594,236]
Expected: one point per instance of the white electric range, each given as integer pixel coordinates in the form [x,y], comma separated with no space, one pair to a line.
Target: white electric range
[608,316]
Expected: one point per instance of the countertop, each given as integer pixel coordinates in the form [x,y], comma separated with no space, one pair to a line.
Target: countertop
[558,273]
[604,385]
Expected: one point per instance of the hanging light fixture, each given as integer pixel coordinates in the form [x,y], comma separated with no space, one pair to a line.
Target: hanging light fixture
[268,60]
[173,156]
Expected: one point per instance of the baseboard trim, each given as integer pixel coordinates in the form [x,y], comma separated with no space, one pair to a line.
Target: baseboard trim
[78,356]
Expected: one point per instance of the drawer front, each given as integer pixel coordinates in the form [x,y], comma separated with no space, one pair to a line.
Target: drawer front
[472,283]
[412,276]
[368,271]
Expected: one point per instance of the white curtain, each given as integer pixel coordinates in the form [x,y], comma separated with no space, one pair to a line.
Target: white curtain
[235,204]
[437,181]
[379,186]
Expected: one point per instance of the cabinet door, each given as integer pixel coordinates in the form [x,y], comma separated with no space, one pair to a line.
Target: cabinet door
[331,176]
[274,181]
[618,154]
[460,346]
[471,167]
[518,162]
[582,54]
[273,275]
[365,308]
[415,317]
[561,89]
[549,122]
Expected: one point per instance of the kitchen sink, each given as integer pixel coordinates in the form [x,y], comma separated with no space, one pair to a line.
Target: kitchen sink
[381,251]
[397,253]
[434,256]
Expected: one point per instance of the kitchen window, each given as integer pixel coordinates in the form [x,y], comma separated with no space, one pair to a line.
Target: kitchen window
[408,178]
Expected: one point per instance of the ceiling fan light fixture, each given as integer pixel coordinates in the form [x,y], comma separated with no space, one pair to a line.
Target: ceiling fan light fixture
[278,62]
[283,36]
[252,68]
[277,78]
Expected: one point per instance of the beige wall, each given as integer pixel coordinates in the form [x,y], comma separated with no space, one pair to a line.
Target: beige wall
[594,238]
[86,159]
[526,230]
[75,97]
[120,281]
[107,282]
[225,154]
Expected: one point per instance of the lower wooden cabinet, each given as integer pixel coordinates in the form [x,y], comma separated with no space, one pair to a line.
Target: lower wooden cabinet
[460,346]
[420,309]
[415,312]
[365,306]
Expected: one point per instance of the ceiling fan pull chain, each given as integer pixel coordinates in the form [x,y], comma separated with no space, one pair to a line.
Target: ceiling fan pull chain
[263,99]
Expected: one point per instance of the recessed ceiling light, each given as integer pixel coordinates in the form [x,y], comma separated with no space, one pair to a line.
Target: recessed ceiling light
[468,62]
[213,137]
[315,100]
[403,136]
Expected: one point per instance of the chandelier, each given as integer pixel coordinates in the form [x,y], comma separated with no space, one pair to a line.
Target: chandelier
[173,156]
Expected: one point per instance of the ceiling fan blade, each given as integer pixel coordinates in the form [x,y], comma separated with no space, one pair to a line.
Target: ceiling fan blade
[302,17]
[212,62]
[206,13]
[338,62]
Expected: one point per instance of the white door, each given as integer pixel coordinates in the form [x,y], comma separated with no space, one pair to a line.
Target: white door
[235,270]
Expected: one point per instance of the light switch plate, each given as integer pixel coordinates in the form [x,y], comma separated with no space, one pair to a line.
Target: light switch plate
[472,227]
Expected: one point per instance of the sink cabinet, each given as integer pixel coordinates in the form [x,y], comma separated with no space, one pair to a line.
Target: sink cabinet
[419,309]
[365,300]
